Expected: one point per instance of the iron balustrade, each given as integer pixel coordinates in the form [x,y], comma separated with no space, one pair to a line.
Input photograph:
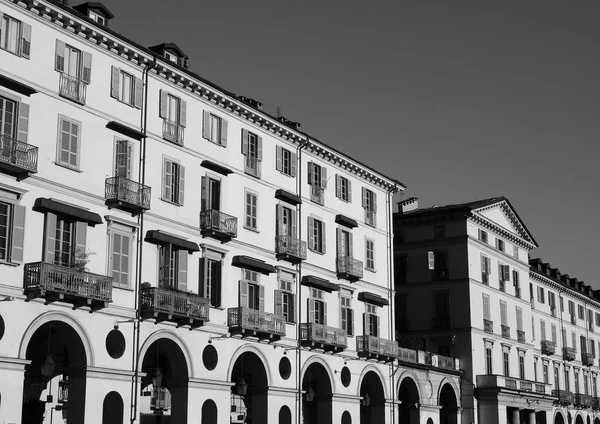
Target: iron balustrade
[125,190]
[350,266]
[252,165]
[488,325]
[564,397]
[582,400]
[156,300]
[63,280]
[505,331]
[319,333]
[254,320]
[587,358]
[217,221]
[15,152]
[569,353]
[407,355]
[376,345]
[497,381]
[172,131]
[292,246]
[520,336]
[548,347]
[72,88]
[317,194]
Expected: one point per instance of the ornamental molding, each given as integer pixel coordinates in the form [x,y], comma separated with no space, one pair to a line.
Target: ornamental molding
[534,275]
[497,229]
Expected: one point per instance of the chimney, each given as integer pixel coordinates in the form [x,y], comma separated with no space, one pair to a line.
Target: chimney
[408,205]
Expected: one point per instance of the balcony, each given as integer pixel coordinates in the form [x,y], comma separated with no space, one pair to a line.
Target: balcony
[505,331]
[441,323]
[569,353]
[252,166]
[596,403]
[60,283]
[488,325]
[290,249]
[72,88]
[17,158]
[508,384]
[375,348]
[253,323]
[564,397]
[587,359]
[548,347]
[173,132]
[175,306]
[219,225]
[318,336]
[520,336]
[317,194]
[349,268]
[127,195]
[582,401]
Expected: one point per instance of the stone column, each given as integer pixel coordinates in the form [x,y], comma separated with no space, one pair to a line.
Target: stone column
[530,417]
[515,416]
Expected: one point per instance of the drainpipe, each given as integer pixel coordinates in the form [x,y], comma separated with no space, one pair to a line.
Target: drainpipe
[390,247]
[140,243]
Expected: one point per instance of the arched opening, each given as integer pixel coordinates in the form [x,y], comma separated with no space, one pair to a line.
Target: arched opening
[596,420]
[346,418]
[409,401]
[372,404]
[429,421]
[55,379]
[165,384]
[588,420]
[209,412]
[579,420]
[112,409]
[449,405]
[285,415]
[559,419]
[249,394]
[316,403]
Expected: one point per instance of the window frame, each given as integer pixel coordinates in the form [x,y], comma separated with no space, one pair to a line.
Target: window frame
[343,188]
[251,225]
[58,161]
[346,312]
[213,289]
[370,267]
[176,189]
[15,228]
[117,228]
[316,225]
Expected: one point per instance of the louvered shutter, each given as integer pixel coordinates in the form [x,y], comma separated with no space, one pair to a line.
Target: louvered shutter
[486,307]
[311,310]
[483,264]
[182,113]
[294,223]
[278,302]
[374,205]
[350,322]
[365,324]
[86,74]
[25,40]
[323,177]
[259,142]
[216,290]
[310,173]
[500,273]
[311,233]
[244,141]
[279,220]
[350,245]
[339,241]
[506,273]
[182,271]
[279,158]
[59,60]
[324,313]
[243,294]
[431,260]
[519,312]
[224,132]
[181,184]
[114,82]
[293,160]
[364,197]
[18,234]
[261,298]
[206,124]
[167,179]
[338,186]
[323,237]
[292,307]
[349,189]
[23,127]
[203,286]
[163,266]
[163,104]
[50,239]
[378,321]
[139,87]
[204,204]
[80,242]
[1,21]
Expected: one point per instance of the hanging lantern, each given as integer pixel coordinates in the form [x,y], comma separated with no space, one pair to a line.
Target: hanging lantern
[241,387]
[157,378]
[310,395]
[48,367]
[366,400]
[63,390]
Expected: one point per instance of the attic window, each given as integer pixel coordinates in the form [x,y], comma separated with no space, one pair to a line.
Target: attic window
[97,18]
[171,57]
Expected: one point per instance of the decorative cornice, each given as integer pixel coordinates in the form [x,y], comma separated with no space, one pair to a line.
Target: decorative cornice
[486,223]
[533,274]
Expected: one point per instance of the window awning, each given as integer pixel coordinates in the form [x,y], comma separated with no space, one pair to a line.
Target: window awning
[43,205]
[160,238]
[372,298]
[344,220]
[286,196]
[252,264]
[17,86]
[125,130]
[213,166]
[319,283]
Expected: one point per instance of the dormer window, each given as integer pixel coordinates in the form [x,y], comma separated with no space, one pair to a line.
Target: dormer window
[171,57]
[97,18]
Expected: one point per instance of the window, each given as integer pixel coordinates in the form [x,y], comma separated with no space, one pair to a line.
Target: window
[252,293]
[543,329]
[172,268]
[545,372]
[97,18]
[483,236]
[485,269]
[211,277]
[370,254]
[533,328]
[285,225]
[487,314]
[564,337]
[120,257]
[522,367]
[503,313]
[535,369]
[597,319]
[75,69]
[488,360]
[316,235]
[69,138]
[503,276]
[516,283]
[214,128]
[251,221]
[576,381]
[285,161]
[540,295]
[317,180]
[171,57]
[506,363]
[574,340]
[123,159]
[586,383]
[65,241]
[370,206]
[552,302]
[14,123]
[515,252]
[173,181]
[553,333]
[285,298]
[371,321]
[580,313]
[346,312]
[519,313]
[571,306]
[344,243]
[12,229]
[500,245]
[252,150]
[15,36]
[173,111]
[126,88]
[317,308]
[343,189]
[438,263]
[439,232]
[556,377]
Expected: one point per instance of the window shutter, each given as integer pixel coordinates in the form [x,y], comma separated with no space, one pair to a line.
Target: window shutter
[167,179]
[261,298]
[25,40]
[203,289]
[374,205]
[181,184]
[244,141]
[23,122]
[340,249]
[163,104]
[139,86]
[114,82]
[365,324]
[1,20]
[243,294]
[431,260]
[293,218]
[486,307]
[183,113]
[350,245]
[506,272]
[204,205]
[223,132]
[259,142]
[323,177]
[310,173]
[293,160]
[80,236]
[206,124]
[279,219]
[350,322]
[278,302]
[349,189]
[324,313]
[483,264]
[163,268]
[311,310]
[279,158]
[216,290]
[292,307]
[364,197]
[311,232]
[500,273]
[50,239]
[59,59]
[519,318]
[338,186]
[18,234]
[515,274]
[378,321]
[323,237]
[182,271]
[86,75]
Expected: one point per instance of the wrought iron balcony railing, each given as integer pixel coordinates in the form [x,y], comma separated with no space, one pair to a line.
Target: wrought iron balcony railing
[252,322]
[569,353]
[505,331]
[56,282]
[520,336]
[17,157]
[317,194]
[587,359]
[172,305]
[370,346]
[441,323]
[583,401]
[72,88]
[563,397]
[548,347]
[322,336]
[126,194]
[488,325]
[252,166]
[290,248]
[173,132]
[218,224]
[349,268]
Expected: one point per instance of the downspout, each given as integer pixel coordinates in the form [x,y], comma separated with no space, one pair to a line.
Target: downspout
[391,332]
[140,243]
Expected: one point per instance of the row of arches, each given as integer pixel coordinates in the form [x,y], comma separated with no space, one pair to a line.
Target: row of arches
[567,417]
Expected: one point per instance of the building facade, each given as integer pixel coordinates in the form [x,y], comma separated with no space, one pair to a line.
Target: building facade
[171,252]
[524,333]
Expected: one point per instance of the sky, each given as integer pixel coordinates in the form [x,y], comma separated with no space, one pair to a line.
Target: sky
[458,100]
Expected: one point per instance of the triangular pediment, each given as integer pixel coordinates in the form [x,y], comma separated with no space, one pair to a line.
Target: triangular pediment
[503,215]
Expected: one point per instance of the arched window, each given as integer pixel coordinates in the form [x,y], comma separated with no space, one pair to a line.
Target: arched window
[112,409]
[285,415]
[346,418]
[209,412]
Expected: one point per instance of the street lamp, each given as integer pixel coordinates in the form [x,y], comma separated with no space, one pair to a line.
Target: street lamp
[366,400]
[241,387]
[310,394]
[48,366]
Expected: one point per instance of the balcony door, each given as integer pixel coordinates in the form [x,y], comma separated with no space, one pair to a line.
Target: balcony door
[8,111]
[72,61]
[123,159]
[211,194]
[344,244]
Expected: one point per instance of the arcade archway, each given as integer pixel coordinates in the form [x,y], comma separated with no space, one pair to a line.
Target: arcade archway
[372,405]
[449,405]
[249,392]
[409,401]
[316,404]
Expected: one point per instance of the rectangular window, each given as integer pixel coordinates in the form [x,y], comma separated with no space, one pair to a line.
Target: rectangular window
[438,264]
[516,283]
[123,159]
[586,383]
[503,313]
[556,378]
[316,235]
[251,292]
[121,261]
[503,276]
[370,254]
[483,236]
[252,151]
[371,321]
[317,180]
[210,194]
[574,340]
[488,361]
[576,381]
[519,313]
[486,307]
[15,36]
[69,137]
[553,332]
[540,293]
[285,161]
[521,367]
[126,88]
[317,308]
[571,306]
[485,270]
[346,312]
[545,373]
[173,111]
[75,68]
[369,204]
[342,188]
[173,181]
[12,231]
[65,241]
[210,276]
[515,252]
[172,268]
[506,363]
[535,369]
[500,245]
[285,298]
[251,221]
[597,319]
[543,329]
[214,128]
[344,243]
[97,18]
[580,313]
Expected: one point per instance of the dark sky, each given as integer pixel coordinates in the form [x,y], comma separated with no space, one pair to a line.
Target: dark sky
[458,100]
